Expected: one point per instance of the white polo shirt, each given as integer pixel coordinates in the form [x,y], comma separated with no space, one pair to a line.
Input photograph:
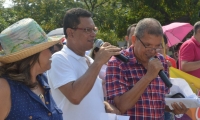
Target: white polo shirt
[67,66]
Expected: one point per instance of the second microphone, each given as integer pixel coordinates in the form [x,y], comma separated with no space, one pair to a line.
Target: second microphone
[121,57]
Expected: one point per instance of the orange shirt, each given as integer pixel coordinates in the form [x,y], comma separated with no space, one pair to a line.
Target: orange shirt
[172,60]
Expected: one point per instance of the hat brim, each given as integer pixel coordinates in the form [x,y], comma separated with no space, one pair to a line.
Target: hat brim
[16,56]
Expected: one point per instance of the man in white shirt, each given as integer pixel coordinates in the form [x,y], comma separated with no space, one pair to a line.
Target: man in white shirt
[73,77]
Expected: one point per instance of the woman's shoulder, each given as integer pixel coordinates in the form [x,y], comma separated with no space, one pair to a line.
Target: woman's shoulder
[4,98]
[4,87]
[3,83]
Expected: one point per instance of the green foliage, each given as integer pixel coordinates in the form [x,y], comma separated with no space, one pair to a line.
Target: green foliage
[108,36]
[112,17]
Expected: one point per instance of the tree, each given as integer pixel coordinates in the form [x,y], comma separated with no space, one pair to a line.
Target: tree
[112,17]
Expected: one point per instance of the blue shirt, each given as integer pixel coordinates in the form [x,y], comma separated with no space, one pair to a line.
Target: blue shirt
[27,105]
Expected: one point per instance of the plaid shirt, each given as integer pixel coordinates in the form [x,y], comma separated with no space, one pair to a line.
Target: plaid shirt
[121,77]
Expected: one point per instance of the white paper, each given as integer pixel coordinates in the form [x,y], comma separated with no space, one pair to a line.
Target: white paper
[120,117]
[188,102]
[108,116]
[181,86]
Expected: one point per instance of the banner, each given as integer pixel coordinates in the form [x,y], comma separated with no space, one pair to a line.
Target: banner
[194,82]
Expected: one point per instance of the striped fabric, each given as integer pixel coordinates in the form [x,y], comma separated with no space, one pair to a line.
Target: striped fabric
[121,77]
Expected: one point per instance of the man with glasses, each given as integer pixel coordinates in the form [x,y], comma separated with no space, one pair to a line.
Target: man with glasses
[135,87]
[73,77]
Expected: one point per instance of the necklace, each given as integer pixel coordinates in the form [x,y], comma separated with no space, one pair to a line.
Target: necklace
[41,96]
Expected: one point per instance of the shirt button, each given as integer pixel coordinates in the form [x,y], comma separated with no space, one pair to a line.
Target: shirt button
[30,117]
[47,103]
[44,86]
[49,114]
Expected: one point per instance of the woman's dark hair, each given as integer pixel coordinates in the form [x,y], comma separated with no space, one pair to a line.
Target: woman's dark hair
[20,70]
[59,45]
[177,47]
[71,18]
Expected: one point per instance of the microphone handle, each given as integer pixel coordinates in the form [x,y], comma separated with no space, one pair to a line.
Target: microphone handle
[122,58]
[165,79]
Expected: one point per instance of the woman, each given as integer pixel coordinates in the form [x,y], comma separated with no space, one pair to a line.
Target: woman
[24,91]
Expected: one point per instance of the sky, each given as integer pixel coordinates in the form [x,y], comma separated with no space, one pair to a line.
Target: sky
[8,3]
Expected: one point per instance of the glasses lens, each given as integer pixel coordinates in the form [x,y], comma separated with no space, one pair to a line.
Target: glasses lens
[149,49]
[158,50]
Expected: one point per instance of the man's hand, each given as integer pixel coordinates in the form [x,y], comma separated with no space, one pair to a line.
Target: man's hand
[154,66]
[105,52]
[179,109]
[111,108]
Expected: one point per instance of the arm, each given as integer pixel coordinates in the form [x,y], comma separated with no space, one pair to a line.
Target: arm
[76,90]
[190,66]
[128,99]
[5,99]
[186,58]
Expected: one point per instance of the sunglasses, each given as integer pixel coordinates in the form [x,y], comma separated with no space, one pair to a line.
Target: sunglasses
[51,49]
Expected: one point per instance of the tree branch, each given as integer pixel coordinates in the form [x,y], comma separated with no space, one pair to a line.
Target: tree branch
[87,4]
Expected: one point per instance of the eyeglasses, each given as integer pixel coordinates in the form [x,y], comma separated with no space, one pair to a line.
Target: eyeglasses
[88,30]
[150,49]
[51,49]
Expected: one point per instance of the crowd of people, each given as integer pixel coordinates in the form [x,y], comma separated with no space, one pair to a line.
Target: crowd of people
[41,78]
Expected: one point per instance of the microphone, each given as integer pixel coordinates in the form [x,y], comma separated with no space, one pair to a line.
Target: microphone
[163,76]
[99,43]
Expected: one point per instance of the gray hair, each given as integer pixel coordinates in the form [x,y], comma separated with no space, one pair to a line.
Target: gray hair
[150,26]
[196,27]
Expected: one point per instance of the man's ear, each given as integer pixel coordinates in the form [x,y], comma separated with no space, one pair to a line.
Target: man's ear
[126,38]
[133,39]
[70,32]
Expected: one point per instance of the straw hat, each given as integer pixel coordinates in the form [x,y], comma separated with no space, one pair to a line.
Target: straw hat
[23,39]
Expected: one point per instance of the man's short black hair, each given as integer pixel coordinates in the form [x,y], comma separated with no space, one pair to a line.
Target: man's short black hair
[71,18]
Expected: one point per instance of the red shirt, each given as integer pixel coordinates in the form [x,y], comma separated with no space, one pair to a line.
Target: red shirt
[190,51]
[121,77]
[172,60]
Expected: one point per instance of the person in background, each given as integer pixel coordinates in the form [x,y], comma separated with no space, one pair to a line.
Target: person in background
[24,90]
[135,87]
[176,51]
[130,32]
[58,47]
[189,55]
[170,61]
[102,73]
[73,77]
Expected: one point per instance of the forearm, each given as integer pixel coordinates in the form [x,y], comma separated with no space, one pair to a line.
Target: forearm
[190,66]
[129,99]
[75,91]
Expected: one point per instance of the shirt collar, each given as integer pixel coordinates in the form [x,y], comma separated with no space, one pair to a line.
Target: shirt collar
[131,54]
[195,41]
[68,51]
[42,79]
